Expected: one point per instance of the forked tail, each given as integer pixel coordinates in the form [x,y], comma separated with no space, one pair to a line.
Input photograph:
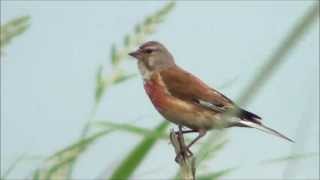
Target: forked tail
[263,128]
[249,119]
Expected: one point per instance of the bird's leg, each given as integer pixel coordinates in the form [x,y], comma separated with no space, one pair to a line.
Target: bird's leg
[181,140]
[201,134]
[184,149]
[179,135]
[186,131]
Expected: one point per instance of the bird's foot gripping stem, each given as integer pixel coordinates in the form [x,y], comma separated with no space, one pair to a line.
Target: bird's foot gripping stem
[185,152]
[182,150]
[184,156]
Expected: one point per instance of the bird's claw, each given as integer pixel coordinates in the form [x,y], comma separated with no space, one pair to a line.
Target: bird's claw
[183,154]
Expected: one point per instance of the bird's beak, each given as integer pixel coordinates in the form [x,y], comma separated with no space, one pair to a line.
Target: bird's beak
[135,54]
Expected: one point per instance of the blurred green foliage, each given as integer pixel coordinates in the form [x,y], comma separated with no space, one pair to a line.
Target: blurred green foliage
[12,29]
[135,157]
[279,55]
[12,166]
[215,175]
[60,164]
[126,127]
[292,157]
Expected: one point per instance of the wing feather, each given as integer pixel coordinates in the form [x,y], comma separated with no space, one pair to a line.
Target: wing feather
[186,86]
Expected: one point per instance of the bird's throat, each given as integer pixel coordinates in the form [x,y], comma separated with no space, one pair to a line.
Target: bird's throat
[144,70]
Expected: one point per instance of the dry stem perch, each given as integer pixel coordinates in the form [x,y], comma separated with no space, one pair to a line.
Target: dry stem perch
[183,158]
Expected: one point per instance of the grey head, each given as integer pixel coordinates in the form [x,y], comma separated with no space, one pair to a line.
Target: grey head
[153,56]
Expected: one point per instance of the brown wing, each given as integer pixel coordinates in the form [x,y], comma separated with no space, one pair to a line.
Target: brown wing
[185,86]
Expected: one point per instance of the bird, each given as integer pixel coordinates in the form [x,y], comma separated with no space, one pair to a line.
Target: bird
[185,100]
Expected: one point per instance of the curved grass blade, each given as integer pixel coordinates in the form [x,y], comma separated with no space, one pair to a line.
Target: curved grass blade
[100,84]
[57,166]
[134,159]
[293,157]
[278,57]
[123,77]
[13,166]
[127,128]
[213,144]
[12,29]
[215,175]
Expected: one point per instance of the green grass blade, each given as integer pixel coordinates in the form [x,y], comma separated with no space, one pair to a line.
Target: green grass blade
[127,128]
[12,29]
[213,144]
[57,166]
[123,77]
[13,166]
[293,157]
[215,175]
[114,56]
[100,84]
[278,57]
[135,158]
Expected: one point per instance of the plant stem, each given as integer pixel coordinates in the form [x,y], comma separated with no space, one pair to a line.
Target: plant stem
[186,162]
[90,119]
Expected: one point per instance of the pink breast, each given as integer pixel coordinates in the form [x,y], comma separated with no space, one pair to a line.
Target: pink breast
[156,94]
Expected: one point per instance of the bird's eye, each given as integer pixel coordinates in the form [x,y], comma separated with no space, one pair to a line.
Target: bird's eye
[148,51]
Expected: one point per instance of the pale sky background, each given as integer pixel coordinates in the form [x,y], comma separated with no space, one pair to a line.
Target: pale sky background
[47,82]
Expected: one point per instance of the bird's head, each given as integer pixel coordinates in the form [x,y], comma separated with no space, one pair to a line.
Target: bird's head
[153,56]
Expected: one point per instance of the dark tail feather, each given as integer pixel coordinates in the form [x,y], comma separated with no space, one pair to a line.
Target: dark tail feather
[246,115]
